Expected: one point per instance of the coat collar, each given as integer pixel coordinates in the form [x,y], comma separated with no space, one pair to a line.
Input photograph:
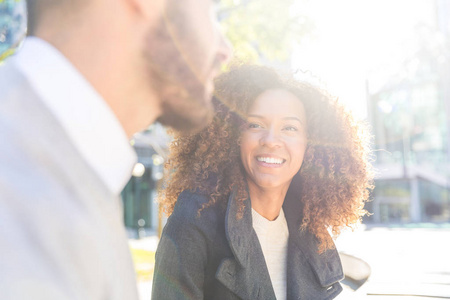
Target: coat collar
[239,273]
[246,274]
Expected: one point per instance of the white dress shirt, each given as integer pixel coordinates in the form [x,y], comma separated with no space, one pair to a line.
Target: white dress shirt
[86,117]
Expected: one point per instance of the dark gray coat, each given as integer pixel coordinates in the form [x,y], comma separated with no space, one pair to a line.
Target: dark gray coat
[215,256]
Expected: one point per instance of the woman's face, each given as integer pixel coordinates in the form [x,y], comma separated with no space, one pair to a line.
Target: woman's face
[274,141]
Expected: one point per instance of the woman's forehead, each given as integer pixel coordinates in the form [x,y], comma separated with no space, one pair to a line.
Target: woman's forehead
[277,102]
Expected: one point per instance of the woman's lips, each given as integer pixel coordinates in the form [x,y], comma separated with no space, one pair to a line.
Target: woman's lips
[270,161]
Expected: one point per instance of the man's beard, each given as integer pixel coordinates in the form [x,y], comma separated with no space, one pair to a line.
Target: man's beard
[186,105]
[185,113]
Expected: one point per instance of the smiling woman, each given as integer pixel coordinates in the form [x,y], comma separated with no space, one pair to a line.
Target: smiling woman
[272,148]
[281,165]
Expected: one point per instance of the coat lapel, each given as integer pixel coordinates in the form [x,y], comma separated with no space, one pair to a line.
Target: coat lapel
[246,273]
[309,273]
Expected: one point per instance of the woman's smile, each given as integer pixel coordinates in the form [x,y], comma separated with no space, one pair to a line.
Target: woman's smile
[270,161]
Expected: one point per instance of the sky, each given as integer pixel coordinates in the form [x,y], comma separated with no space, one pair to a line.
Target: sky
[355,37]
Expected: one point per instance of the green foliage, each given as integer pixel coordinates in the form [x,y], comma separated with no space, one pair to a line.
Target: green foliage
[6,54]
[13,26]
[263,29]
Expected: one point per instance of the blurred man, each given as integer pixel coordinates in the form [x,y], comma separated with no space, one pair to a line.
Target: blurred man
[95,72]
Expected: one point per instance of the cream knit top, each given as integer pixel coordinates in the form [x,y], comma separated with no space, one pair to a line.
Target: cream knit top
[273,237]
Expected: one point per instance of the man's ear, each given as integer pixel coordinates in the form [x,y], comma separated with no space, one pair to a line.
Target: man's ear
[149,9]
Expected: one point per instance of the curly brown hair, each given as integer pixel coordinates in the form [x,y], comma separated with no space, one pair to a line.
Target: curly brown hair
[336,175]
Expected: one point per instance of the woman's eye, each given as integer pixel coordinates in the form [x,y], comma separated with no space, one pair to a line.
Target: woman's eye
[290,128]
[253,125]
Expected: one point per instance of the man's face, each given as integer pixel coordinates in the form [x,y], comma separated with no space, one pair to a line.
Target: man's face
[185,52]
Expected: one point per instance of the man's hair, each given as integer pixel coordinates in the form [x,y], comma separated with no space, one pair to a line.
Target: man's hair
[31,7]
[37,8]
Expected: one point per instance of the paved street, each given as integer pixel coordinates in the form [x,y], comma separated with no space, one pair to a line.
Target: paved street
[405,261]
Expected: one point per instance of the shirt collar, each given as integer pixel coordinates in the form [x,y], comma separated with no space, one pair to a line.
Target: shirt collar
[260,222]
[88,120]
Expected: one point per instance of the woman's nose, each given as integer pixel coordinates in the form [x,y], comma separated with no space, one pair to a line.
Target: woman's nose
[270,139]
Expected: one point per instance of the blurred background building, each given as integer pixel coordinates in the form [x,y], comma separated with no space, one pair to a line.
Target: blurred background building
[141,213]
[409,110]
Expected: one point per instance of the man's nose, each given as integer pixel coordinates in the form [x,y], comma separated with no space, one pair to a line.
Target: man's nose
[225,49]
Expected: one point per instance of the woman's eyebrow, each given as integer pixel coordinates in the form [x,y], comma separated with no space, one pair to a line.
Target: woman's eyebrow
[293,118]
[285,118]
[255,116]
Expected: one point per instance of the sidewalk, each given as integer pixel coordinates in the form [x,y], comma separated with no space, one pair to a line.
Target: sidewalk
[409,261]
[143,251]
[404,260]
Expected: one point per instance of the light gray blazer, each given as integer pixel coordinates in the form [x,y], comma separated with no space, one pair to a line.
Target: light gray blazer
[61,230]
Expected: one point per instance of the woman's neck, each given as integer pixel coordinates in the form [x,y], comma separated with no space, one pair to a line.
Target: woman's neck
[267,202]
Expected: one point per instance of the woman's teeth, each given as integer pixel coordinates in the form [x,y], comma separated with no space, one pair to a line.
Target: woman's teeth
[270,160]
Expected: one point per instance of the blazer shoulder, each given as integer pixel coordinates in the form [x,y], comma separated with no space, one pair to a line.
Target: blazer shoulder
[189,211]
[12,81]
[191,203]
[192,198]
